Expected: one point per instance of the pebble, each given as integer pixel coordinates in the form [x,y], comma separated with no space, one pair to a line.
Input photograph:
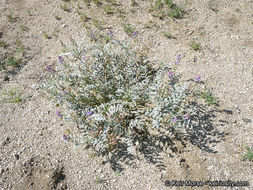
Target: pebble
[246,120]
[6,141]
[6,78]
[16,156]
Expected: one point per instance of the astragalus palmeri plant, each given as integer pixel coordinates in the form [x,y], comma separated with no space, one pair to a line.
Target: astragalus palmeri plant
[114,96]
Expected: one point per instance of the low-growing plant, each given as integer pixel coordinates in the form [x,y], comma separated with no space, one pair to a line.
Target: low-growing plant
[84,17]
[133,3]
[113,2]
[249,154]
[147,25]
[167,34]
[23,27]
[175,11]
[117,173]
[157,8]
[195,46]
[1,65]
[96,23]
[57,17]
[86,26]
[12,61]
[46,35]
[20,49]
[3,44]
[237,10]
[11,17]
[65,8]
[128,29]
[108,9]
[96,2]
[18,42]
[29,12]
[212,5]
[208,97]
[98,180]
[12,96]
[87,2]
[158,5]
[92,155]
[114,97]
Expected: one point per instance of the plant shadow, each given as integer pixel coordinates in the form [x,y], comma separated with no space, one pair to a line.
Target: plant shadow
[204,135]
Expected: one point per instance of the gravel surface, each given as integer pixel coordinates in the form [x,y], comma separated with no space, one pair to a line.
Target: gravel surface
[33,154]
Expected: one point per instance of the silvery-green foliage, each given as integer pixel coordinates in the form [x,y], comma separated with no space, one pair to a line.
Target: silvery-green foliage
[112,95]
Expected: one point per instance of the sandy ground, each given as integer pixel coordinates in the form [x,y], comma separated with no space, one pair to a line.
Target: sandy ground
[33,154]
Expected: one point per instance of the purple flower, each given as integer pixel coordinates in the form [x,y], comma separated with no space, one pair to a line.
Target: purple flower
[49,68]
[84,58]
[89,113]
[198,78]
[58,113]
[60,59]
[134,33]
[186,116]
[174,120]
[110,33]
[66,137]
[170,74]
[92,34]
[187,88]
[178,59]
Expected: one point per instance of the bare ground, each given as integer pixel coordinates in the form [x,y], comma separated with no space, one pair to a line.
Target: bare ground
[33,154]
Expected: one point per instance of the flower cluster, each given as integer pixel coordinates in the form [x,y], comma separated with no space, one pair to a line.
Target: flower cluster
[113,96]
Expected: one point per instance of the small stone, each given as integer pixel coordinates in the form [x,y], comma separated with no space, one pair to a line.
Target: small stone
[246,120]
[6,141]
[6,78]
[191,32]
[16,156]
[182,160]
[64,25]
[145,61]
[33,85]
